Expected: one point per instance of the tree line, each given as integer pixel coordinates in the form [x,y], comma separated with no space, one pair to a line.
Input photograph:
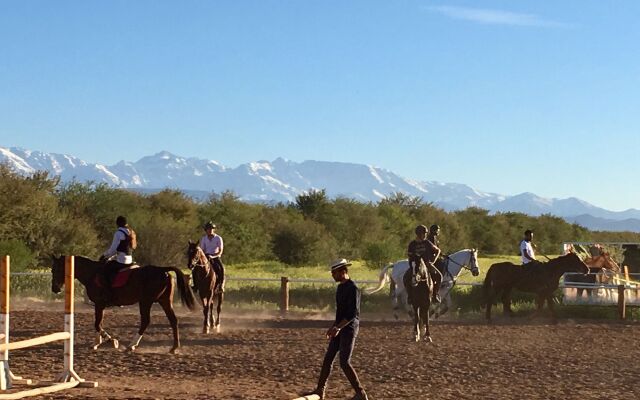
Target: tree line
[41,216]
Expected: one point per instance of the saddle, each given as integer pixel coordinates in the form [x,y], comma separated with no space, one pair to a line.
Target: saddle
[119,280]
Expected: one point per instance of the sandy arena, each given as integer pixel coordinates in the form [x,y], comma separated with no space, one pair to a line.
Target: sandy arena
[271,358]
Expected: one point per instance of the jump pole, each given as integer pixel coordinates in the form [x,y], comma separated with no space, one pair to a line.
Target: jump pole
[69,378]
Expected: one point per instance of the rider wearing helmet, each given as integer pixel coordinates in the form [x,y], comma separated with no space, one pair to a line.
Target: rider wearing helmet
[423,249]
[122,246]
[212,245]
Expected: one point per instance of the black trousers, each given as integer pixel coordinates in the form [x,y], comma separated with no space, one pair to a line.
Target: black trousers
[343,343]
[218,267]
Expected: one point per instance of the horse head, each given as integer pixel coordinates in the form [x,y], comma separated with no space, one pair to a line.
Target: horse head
[196,257]
[571,262]
[475,267]
[57,274]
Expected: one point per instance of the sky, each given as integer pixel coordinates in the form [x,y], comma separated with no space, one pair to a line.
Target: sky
[505,96]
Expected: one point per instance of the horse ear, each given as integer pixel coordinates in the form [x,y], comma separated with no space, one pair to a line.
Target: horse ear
[190,241]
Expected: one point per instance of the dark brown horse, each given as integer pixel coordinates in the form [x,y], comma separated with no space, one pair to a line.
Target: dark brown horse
[420,296]
[540,278]
[207,287]
[146,285]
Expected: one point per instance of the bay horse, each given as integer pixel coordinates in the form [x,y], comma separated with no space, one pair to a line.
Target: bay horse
[452,267]
[207,285]
[145,286]
[420,302]
[542,278]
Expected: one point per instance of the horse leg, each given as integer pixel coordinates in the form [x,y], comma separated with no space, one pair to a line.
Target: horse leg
[145,318]
[102,335]
[416,323]
[165,303]
[488,309]
[554,317]
[539,305]
[206,307]
[218,310]
[425,320]
[506,303]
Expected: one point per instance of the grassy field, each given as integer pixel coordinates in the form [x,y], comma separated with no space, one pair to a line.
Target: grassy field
[265,295]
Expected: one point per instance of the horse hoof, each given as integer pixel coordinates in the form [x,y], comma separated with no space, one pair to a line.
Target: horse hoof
[174,350]
[217,328]
[132,348]
[428,339]
[205,330]
[115,343]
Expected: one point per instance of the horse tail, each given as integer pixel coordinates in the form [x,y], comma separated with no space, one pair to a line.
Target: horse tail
[487,288]
[383,277]
[186,294]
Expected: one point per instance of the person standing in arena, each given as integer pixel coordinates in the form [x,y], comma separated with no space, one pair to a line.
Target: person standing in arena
[342,334]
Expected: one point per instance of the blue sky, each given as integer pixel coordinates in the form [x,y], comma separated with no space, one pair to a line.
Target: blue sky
[506,96]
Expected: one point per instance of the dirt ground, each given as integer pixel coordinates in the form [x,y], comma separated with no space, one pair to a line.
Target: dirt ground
[265,357]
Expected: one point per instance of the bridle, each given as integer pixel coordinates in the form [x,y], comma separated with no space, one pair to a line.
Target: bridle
[467,267]
[197,258]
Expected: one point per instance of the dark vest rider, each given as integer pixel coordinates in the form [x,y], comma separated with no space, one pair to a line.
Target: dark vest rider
[422,249]
[120,254]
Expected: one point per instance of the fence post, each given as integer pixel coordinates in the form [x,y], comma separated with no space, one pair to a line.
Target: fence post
[284,294]
[5,378]
[622,303]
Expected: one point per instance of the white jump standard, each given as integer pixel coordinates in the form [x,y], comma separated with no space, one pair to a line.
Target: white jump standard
[68,378]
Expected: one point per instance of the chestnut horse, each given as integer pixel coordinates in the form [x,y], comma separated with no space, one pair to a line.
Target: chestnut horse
[146,285]
[206,277]
[603,270]
[542,278]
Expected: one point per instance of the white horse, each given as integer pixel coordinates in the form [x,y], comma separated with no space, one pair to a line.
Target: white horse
[453,265]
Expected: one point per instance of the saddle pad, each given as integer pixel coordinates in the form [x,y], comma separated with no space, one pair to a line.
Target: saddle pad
[122,276]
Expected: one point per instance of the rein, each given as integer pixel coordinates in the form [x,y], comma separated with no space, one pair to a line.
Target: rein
[203,262]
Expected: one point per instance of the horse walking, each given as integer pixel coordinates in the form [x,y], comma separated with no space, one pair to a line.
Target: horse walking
[541,279]
[452,267]
[207,286]
[145,286]
[421,301]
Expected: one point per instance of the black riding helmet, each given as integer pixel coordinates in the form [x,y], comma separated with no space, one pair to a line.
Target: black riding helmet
[420,229]
[121,221]
[434,229]
[209,225]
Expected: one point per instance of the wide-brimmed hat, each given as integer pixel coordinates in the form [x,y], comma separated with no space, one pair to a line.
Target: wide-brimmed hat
[339,263]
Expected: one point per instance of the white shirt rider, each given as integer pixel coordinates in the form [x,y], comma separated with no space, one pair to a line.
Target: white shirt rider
[119,236]
[526,248]
[212,245]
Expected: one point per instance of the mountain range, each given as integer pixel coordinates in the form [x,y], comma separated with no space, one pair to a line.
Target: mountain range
[282,180]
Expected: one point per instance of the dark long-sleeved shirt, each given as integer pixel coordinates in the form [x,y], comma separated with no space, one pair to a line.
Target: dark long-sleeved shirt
[348,303]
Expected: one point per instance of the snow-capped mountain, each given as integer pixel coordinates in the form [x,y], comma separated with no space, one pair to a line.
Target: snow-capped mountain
[283,180]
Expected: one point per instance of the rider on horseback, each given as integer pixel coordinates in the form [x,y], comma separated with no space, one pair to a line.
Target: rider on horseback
[423,249]
[212,245]
[122,246]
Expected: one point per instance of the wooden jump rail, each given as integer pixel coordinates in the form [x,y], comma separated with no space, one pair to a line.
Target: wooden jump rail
[69,378]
